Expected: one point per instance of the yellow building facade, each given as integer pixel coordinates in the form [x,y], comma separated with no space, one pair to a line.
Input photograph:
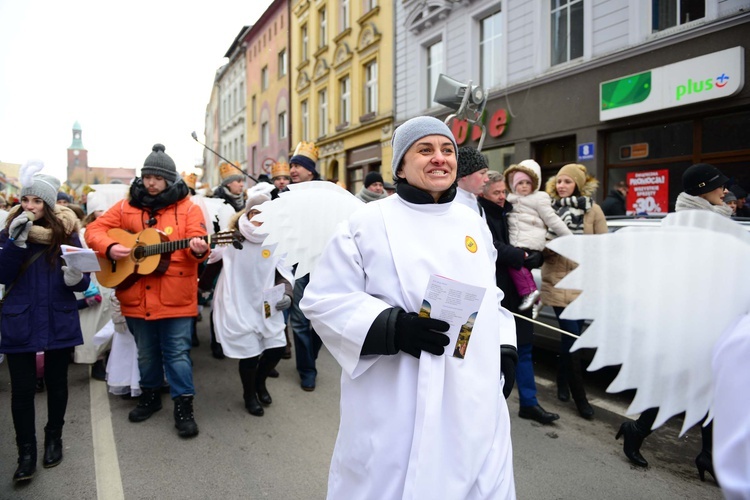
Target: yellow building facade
[342,85]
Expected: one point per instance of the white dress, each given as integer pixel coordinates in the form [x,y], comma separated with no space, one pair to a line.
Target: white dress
[241,328]
[434,427]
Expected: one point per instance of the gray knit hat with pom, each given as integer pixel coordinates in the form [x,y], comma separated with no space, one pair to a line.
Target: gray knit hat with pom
[159,163]
[411,131]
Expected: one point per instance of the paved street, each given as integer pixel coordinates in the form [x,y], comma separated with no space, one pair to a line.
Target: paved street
[285,454]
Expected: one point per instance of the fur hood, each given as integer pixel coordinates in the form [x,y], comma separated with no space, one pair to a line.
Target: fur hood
[588,189]
[530,168]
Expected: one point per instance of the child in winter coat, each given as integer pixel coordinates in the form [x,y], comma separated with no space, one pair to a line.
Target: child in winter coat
[248,327]
[528,222]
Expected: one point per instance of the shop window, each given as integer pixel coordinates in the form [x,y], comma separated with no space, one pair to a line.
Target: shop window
[500,158]
[552,154]
[726,133]
[355,178]
[669,13]
[659,141]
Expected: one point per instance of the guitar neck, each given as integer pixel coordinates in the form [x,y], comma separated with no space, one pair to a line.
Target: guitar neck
[170,246]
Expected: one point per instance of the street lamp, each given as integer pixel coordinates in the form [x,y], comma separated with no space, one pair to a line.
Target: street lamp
[466,100]
[195,137]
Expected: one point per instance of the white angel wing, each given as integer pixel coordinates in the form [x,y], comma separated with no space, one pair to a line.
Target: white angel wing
[303,219]
[659,299]
[260,188]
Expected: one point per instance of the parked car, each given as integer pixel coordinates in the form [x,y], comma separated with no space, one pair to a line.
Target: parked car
[550,339]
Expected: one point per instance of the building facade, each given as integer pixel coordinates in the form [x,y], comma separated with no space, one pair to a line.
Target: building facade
[269,108]
[625,87]
[342,83]
[212,132]
[80,174]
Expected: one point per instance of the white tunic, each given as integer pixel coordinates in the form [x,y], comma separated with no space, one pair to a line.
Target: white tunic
[241,328]
[731,372]
[434,427]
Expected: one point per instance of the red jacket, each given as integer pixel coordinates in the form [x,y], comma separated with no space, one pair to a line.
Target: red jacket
[173,294]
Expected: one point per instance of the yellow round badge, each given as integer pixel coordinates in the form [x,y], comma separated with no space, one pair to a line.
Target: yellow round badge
[266,254]
[471,245]
[169,230]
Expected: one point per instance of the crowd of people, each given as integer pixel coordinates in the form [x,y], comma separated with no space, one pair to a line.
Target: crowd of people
[452,216]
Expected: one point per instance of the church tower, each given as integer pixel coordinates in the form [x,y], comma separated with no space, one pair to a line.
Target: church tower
[78,161]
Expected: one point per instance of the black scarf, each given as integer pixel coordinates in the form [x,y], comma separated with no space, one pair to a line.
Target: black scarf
[139,197]
[415,195]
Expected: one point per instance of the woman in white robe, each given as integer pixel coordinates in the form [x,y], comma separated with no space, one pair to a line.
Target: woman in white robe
[416,422]
[247,328]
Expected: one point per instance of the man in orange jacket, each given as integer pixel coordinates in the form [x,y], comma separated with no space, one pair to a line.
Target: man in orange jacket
[159,308]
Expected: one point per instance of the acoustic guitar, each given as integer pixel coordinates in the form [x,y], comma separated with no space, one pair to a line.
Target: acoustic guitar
[150,252]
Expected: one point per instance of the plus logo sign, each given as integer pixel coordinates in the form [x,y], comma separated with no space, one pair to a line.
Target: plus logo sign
[722,80]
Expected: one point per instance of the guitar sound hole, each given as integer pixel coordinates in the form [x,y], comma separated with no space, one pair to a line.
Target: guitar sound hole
[138,253]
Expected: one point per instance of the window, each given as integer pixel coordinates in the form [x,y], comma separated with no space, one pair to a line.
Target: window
[243,152]
[322,113]
[371,87]
[305,114]
[368,5]
[434,68]
[490,49]
[253,110]
[254,156]
[242,94]
[668,13]
[343,15]
[567,30]
[282,63]
[265,135]
[323,41]
[264,78]
[345,104]
[303,37]
[282,124]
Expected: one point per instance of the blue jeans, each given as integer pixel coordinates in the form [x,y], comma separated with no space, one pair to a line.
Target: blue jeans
[525,376]
[306,341]
[164,347]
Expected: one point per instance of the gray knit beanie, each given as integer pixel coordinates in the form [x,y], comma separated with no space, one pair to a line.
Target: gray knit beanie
[43,186]
[411,131]
[159,163]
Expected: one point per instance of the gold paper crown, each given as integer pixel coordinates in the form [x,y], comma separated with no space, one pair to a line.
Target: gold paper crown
[190,179]
[280,169]
[226,170]
[308,149]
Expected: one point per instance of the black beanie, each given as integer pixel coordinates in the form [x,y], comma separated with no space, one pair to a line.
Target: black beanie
[702,178]
[469,161]
[372,178]
[159,163]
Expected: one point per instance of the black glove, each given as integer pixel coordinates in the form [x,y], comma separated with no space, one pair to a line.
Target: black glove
[414,334]
[534,260]
[508,362]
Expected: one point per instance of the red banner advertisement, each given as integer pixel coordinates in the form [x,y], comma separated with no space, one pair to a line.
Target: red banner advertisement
[648,192]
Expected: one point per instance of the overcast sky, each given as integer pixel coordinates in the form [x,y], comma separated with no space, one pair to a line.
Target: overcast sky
[131,73]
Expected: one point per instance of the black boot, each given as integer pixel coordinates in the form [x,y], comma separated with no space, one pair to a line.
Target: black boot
[26,462]
[267,364]
[53,449]
[148,404]
[248,376]
[99,370]
[704,461]
[184,420]
[633,439]
[575,378]
[563,391]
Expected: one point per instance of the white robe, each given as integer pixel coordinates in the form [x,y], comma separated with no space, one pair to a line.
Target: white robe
[241,328]
[434,427]
[732,410]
